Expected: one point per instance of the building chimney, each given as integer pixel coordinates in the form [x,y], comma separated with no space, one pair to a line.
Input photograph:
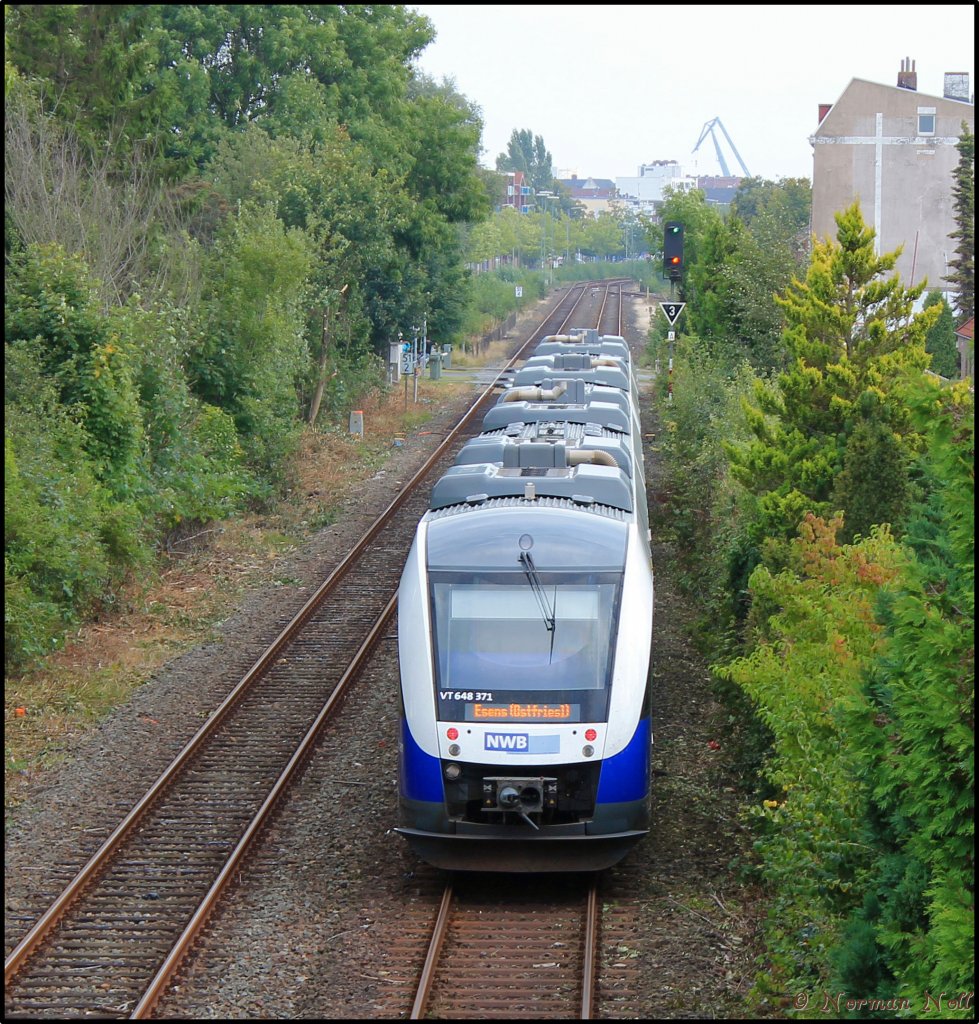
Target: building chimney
[907,77]
[824,109]
[957,85]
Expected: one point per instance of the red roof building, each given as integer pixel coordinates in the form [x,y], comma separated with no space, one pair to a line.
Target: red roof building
[965,343]
[518,192]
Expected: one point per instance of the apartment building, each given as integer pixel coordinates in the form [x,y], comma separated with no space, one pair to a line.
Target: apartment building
[893,148]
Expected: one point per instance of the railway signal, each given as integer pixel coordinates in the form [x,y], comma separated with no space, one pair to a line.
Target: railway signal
[673,249]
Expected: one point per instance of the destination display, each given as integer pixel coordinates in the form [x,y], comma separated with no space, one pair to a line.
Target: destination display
[516,712]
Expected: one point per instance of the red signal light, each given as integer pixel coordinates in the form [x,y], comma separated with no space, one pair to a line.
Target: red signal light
[673,249]
[452,733]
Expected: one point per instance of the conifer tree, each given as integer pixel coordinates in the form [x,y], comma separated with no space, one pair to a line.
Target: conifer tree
[963,267]
[852,334]
[941,339]
[915,736]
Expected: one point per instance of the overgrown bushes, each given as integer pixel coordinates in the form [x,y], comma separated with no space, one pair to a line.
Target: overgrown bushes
[710,513]
[181,219]
[914,931]
[106,448]
[850,659]
[815,637]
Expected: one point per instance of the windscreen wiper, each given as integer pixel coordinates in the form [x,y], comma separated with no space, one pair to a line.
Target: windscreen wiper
[549,613]
[537,587]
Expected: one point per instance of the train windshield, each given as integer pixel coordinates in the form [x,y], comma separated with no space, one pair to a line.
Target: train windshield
[513,648]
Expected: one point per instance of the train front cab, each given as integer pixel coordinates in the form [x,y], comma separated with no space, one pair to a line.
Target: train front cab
[524,747]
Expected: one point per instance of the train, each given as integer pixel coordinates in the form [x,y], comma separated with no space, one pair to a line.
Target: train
[525,623]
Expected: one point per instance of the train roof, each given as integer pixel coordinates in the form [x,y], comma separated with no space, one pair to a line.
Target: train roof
[491,535]
[608,415]
[565,392]
[513,444]
[613,348]
[582,484]
[571,367]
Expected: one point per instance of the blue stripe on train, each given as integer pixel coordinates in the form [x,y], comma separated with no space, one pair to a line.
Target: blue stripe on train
[626,775]
[421,774]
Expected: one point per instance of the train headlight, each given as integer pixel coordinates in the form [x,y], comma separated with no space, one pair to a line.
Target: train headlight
[453,771]
[454,749]
[588,750]
[591,735]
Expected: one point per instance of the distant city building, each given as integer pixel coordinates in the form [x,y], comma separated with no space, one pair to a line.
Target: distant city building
[893,149]
[720,191]
[595,194]
[519,195]
[644,193]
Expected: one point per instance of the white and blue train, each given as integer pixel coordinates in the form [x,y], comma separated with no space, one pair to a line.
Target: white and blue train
[525,626]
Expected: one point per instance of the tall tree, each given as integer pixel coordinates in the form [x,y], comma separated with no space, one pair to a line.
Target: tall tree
[941,339]
[914,738]
[526,152]
[963,274]
[790,199]
[852,335]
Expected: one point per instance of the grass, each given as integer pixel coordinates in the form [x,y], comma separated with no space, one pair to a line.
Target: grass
[103,662]
[492,354]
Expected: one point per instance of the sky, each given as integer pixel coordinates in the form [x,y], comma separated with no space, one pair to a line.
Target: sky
[610,87]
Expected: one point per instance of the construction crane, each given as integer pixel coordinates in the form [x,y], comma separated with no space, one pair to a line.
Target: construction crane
[709,129]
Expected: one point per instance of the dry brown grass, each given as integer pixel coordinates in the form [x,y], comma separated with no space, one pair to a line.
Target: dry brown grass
[495,353]
[332,461]
[196,587]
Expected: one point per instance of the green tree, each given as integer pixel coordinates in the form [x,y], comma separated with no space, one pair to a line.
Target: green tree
[788,200]
[734,265]
[526,152]
[963,275]
[51,305]
[874,485]
[760,268]
[443,137]
[914,739]
[852,336]
[601,236]
[253,346]
[276,63]
[817,636]
[56,562]
[353,213]
[118,76]
[941,342]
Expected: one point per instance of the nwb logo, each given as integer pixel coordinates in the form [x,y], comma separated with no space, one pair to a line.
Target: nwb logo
[506,741]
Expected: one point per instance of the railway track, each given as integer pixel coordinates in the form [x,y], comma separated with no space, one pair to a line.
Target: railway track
[610,315]
[109,944]
[514,948]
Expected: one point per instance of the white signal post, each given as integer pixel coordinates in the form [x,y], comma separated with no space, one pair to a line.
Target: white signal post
[672,311]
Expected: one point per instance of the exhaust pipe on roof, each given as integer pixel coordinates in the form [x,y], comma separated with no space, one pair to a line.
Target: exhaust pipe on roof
[535,394]
[592,456]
